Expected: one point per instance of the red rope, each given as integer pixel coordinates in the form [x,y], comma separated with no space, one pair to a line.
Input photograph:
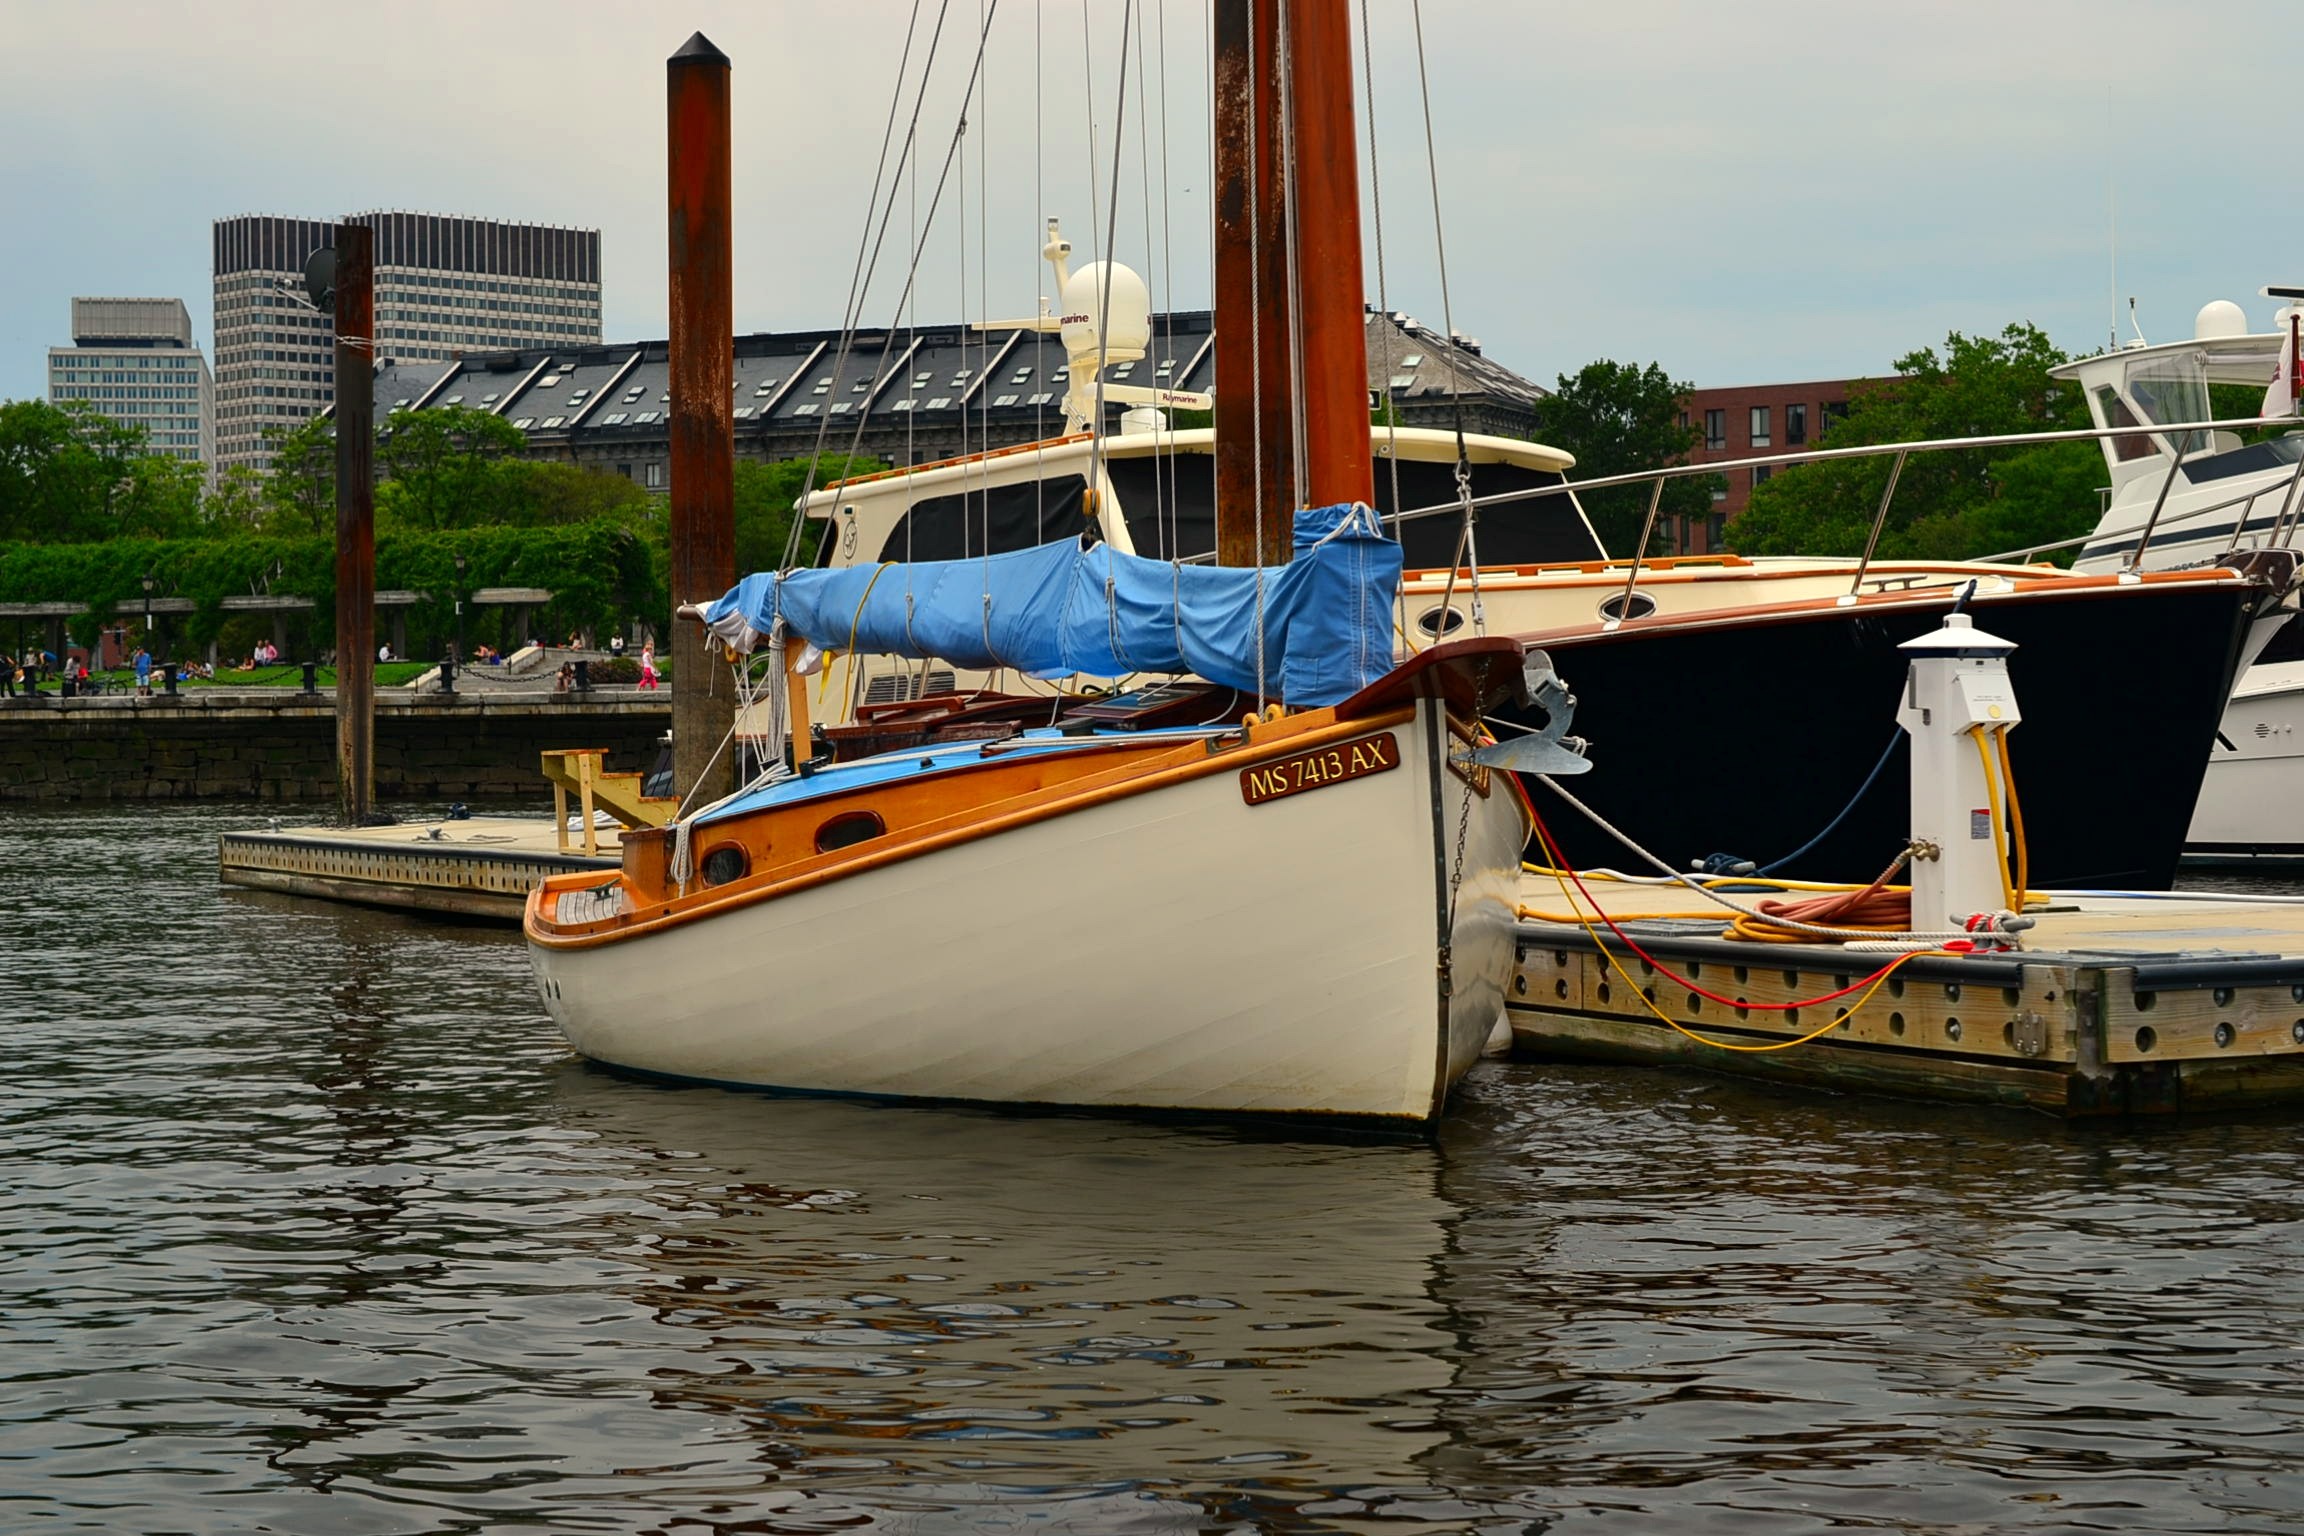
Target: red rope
[1544,834]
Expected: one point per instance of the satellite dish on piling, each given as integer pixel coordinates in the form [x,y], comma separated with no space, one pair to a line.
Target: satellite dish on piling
[320,277]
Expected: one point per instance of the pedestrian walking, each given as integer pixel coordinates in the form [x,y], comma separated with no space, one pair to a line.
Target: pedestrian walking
[648,665]
[143,673]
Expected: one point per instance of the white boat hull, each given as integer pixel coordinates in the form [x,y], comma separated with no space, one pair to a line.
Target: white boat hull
[2251,806]
[1128,954]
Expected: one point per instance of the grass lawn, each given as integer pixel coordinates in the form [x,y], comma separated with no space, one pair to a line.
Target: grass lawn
[389,674]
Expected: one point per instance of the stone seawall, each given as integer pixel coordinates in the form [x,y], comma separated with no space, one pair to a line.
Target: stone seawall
[281,745]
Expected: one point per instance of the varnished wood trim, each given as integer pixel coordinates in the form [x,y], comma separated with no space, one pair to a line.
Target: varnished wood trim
[1191,761]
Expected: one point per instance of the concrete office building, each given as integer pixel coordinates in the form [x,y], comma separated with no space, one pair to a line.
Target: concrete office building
[445,286]
[134,360]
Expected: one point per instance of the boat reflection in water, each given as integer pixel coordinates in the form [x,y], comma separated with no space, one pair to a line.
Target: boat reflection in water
[941,1311]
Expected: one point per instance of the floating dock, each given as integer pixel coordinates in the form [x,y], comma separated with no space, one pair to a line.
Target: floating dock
[482,867]
[2117,1004]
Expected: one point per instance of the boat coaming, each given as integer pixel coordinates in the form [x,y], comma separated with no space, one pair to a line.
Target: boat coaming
[1747,732]
[1142,937]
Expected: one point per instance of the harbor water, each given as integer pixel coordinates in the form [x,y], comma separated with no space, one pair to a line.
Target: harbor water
[313,1224]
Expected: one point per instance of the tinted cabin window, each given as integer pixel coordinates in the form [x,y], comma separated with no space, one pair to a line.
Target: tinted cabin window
[988,522]
[848,830]
[1169,500]
[1538,532]
[1170,504]
[725,863]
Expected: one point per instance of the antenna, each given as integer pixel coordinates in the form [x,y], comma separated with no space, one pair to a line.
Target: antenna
[2132,325]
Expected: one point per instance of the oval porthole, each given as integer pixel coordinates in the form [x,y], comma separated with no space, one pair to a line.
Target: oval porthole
[1616,606]
[725,863]
[1439,621]
[847,830]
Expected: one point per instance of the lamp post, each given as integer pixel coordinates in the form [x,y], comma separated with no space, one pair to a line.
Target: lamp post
[456,644]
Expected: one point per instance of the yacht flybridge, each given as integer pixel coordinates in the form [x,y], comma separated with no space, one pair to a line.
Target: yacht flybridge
[2186,495]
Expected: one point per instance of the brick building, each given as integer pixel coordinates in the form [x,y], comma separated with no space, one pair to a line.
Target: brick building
[1741,421]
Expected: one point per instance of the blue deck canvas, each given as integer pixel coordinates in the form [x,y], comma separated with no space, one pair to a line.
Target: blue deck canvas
[1074,607]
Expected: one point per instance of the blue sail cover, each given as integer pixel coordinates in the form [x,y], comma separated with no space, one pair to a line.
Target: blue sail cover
[1073,607]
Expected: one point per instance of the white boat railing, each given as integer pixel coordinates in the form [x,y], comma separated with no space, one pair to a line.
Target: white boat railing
[2182,433]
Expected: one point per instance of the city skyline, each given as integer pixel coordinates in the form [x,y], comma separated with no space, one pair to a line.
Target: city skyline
[1781,192]
[444,286]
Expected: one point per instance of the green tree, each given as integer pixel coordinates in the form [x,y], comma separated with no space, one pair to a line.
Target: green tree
[66,472]
[158,498]
[448,467]
[235,503]
[1620,419]
[544,494]
[1954,503]
[300,490]
[764,497]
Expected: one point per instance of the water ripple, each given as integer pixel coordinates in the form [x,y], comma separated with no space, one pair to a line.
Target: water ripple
[314,1224]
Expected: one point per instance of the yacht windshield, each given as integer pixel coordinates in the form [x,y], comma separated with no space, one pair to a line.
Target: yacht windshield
[2169,389]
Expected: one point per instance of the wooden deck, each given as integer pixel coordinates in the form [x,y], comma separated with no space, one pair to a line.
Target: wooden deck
[2116,1004]
[483,867]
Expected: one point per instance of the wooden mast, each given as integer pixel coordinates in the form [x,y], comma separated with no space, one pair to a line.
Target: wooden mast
[1286,148]
[1334,321]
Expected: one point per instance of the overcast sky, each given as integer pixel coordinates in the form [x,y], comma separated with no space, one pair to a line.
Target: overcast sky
[1743,192]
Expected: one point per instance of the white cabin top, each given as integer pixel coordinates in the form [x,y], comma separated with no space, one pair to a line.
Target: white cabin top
[1155,496]
[2149,386]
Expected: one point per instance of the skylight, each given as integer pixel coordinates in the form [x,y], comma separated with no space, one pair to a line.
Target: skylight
[1041,398]
[842,407]
[613,419]
[1004,400]
[743,412]
[810,409]
[524,423]
[904,405]
[1412,359]
[554,421]
[941,402]
[643,418]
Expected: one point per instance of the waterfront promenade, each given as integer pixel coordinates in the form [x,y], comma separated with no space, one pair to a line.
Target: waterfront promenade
[279,743]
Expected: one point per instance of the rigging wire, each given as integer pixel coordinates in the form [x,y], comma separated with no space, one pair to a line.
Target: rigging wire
[912,270]
[1256,345]
[860,278]
[1104,299]
[1467,542]
[1293,264]
[1175,509]
[1383,300]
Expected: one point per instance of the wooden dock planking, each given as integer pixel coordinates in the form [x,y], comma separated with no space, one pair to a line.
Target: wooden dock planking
[483,867]
[2117,1003]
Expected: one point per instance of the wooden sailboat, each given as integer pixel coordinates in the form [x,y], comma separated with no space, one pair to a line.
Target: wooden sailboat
[1302,909]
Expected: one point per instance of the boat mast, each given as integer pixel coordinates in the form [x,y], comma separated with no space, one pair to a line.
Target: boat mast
[1267,167]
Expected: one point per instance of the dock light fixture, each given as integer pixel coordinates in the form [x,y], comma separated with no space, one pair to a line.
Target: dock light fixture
[458,654]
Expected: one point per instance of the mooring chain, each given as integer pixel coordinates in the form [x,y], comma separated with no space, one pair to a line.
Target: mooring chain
[1463,831]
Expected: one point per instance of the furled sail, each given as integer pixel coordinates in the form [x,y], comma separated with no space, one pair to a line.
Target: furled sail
[1075,607]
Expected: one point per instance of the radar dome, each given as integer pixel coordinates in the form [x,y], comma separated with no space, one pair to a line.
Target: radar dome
[1130,330]
[2219,317]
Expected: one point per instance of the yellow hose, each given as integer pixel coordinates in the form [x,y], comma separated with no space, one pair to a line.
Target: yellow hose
[1726,1045]
[2015,823]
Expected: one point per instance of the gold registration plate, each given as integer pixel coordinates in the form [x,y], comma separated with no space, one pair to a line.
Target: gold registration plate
[1317,770]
